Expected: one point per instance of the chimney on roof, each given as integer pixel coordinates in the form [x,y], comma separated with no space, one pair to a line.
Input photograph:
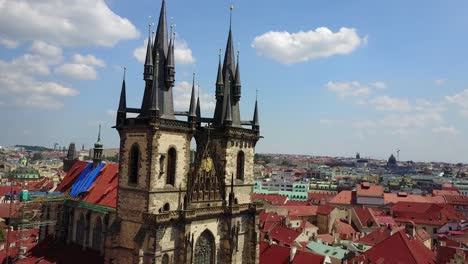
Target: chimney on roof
[410,230]
[292,254]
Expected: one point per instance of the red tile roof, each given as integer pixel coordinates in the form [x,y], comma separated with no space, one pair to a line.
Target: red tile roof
[283,235]
[424,213]
[301,211]
[104,189]
[369,190]
[376,236]
[66,184]
[456,199]
[398,248]
[344,198]
[313,197]
[326,238]
[296,203]
[5,210]
[365,217]
[343,228]
[273,199]
[445,192]
[446,254]
[277,254]
[325,209]
[393,198]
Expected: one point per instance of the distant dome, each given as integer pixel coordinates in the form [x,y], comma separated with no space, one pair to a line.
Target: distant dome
[392,160]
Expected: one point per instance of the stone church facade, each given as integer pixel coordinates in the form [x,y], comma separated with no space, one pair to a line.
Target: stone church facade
[175,205]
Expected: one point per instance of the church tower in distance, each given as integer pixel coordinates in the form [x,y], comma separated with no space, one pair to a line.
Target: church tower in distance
[175,206]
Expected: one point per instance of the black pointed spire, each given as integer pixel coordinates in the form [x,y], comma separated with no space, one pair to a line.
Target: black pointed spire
[122,110]
[255,122]
[161,38]
[237,87]
[193,102]
[198,111]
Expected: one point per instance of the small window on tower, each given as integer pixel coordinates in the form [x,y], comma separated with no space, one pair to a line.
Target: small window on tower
[161,164]
[240,166]
[133,164]
[171,166]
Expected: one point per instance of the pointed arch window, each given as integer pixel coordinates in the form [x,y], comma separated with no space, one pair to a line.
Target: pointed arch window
[205,249]
[97,234]
[165,259]
[240,165]
[171,166]
[80,230]
[134,163]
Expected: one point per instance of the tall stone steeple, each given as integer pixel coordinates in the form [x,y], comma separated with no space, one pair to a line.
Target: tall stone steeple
[229,91]
[163,72]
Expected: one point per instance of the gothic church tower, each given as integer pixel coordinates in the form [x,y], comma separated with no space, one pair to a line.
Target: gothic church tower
[171,208]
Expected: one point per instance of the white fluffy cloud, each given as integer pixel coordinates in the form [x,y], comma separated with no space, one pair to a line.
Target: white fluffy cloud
[64,22]
[77,71]
[88,60]
[82,67]
[460,100]
[182,93]
[8,43]
[182,53]
[387,103]
[19,83]
[349,89]
[450,130]
[289,48]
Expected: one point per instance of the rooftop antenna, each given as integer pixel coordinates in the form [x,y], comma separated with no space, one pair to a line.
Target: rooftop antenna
[230,14]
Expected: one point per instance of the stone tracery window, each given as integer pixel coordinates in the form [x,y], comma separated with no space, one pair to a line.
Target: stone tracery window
[133,164]
[240,165]
[165,259]
[171,166]
[97,234]
[80,230]
[205,249]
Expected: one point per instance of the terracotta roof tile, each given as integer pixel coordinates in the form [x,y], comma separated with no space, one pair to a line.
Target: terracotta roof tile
[280,255]
[369,190]
[409,251]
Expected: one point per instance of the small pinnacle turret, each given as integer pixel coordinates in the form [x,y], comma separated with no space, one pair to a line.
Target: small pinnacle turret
[148,70]
[237,85]
[122,110]
[193,102]
[255,121]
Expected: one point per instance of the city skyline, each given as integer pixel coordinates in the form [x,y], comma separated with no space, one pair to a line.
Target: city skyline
[333,78]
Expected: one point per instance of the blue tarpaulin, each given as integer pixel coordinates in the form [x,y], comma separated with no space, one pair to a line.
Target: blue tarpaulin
[86,179]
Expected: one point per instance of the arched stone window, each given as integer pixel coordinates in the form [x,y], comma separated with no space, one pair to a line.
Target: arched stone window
[133,164]
[166,207]
[165,259]
[97,234]
[205,249]
[171,166]
[240,165]
[80,230]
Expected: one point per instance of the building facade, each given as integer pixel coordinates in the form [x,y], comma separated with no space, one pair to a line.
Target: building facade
[171,208]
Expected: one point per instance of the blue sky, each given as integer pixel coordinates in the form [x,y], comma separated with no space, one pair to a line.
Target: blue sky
[334,77]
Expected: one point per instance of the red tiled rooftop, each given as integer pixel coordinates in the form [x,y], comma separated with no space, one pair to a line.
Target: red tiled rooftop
[104,189]
[325,209]
[277,254]
[71,176]
[344,198]
[369,190]
[445,192]
[304,211]
[273,199]
[283,235]
[365,217]
[343,228]
[424,213]
[398,248]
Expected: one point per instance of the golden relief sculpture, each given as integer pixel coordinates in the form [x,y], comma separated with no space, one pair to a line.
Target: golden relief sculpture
[207,164]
